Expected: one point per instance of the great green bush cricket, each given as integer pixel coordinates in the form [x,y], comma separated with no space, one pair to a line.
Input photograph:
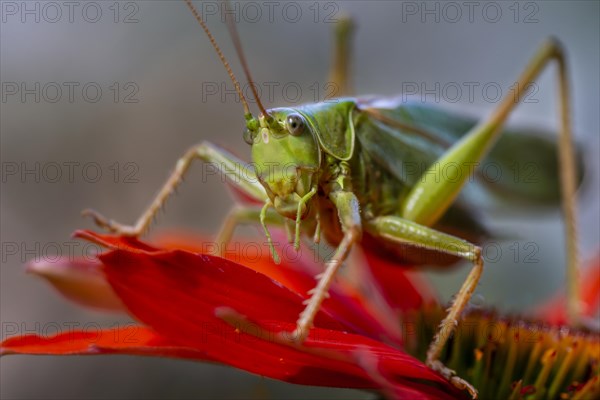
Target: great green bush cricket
[348,179]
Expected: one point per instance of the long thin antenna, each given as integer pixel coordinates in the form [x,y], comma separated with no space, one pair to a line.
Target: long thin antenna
[198,17]
[235,37]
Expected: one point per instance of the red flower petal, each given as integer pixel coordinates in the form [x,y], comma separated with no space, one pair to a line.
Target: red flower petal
[80,280]
[138,340]
[115,242]
[83,282]
[297,272]
[135,340]
[178,293]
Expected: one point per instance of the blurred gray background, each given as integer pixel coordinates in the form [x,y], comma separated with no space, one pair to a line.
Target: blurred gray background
[154,65]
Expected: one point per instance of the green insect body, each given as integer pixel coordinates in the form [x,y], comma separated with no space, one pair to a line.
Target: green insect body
[373,170]
[335,145]
[324,154]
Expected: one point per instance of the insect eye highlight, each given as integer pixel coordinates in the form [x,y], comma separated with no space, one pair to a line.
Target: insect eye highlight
[295,124]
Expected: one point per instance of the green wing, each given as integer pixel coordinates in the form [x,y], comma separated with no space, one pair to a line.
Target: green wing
[521,167]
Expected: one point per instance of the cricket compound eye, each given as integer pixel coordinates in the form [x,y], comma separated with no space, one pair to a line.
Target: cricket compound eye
[295,124]
[248,136]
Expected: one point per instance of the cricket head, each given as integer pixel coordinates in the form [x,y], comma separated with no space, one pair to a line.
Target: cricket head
[286,158]
[285,150]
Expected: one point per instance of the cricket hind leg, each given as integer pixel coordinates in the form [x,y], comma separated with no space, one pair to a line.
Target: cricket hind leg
[402,232]
[429,199]
[240,176]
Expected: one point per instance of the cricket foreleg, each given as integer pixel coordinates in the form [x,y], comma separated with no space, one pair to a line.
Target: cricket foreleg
[241,215]
[348,211]
[404,232]
[429,199]
[240,176]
